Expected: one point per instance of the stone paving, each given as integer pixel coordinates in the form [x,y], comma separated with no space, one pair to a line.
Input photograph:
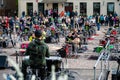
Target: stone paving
[82,65]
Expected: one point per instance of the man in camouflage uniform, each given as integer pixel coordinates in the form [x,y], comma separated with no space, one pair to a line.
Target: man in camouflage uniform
[37,50]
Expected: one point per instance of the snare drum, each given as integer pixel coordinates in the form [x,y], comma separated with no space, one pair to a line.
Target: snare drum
[112,39]
[54,60]
[114,32]
[6,38]
[26,57]
[102,42]
[25,44]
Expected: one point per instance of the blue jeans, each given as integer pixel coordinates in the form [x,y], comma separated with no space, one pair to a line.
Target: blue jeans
[98,26]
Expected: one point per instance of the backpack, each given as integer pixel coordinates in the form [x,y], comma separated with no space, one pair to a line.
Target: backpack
[101,17]
[34,51]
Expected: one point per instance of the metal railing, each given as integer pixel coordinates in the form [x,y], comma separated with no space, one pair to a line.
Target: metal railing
[104,63]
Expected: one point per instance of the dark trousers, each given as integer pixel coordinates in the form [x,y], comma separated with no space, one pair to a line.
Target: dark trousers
[25,64]
[42,71]
[98,26]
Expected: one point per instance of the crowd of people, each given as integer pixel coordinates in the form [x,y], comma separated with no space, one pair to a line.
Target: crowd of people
[53,23]
[50,26]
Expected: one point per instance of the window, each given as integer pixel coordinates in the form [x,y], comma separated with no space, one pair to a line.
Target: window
[30,9]
[96,8]
[110,8]
[83,9]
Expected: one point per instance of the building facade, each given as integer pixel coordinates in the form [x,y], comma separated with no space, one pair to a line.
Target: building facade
[83,7]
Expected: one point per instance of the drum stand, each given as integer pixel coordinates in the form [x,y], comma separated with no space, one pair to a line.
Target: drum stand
[118,69]
[17,55]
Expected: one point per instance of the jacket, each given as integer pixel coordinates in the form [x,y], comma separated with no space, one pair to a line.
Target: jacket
[37,50]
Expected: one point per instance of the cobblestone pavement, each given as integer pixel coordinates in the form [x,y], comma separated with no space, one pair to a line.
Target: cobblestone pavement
[82,64]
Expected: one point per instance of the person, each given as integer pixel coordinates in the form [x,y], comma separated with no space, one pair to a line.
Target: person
[98,22]
[73,40]
[111,20]
[76,40]
[37,51]
[101,19]
[69,44]
[69,38]
[32,37]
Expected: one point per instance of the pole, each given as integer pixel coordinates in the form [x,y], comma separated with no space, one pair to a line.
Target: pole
[94,73]
[16,57]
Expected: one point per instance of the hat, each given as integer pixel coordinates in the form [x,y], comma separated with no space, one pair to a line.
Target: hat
[38,33]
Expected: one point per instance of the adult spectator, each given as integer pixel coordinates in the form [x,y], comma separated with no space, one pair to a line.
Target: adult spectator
[98,22]
[106,20]
[111,19]
[102,19]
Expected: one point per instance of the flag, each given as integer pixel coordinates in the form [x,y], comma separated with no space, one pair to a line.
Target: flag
[37,1]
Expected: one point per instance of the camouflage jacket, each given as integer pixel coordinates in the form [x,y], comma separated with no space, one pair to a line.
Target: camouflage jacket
[37,50]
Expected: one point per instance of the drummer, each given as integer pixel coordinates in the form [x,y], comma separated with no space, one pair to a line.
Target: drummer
[73,39]
[37,50]
[69,38]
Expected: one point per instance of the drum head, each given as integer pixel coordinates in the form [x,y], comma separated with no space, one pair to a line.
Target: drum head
[6,38]
[26,57]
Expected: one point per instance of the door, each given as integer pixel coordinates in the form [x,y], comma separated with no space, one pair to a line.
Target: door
[96,8]
[55,7]
[110,8]
[30,9]
[40,7]
[83,9]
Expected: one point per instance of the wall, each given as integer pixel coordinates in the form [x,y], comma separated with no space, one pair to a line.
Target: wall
[23,7]
[103,4]
[76,7]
